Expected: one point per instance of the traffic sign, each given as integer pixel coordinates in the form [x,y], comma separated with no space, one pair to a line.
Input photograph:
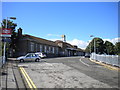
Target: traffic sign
[6,32]
[6,40]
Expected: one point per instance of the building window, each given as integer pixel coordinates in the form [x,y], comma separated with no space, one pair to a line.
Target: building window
[57,50]
[49,49]
[40,48]
[53,50]
[31,46]
[45,50]
[36,47]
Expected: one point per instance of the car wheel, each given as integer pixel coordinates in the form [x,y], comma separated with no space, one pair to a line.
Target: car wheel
[37,60]
[21,60]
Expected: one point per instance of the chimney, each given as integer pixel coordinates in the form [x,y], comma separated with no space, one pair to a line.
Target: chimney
[19,33]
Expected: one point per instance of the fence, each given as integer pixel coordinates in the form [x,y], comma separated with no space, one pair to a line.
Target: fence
[108,59]
[0,61]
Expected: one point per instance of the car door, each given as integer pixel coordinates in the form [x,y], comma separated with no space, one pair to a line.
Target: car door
[33,57]
[28,57]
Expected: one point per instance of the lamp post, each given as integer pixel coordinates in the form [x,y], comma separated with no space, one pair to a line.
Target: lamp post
[94,46]
[5,38]
[90,46]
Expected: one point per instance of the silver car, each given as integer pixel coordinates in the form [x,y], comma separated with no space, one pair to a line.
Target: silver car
[29,56]
[41,54]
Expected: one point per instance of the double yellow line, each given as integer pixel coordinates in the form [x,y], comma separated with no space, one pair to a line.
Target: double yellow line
[28,79]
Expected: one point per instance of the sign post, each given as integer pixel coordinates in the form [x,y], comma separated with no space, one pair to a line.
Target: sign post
[6,32]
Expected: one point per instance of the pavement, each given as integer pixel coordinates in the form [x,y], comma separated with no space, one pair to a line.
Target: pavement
[9,76]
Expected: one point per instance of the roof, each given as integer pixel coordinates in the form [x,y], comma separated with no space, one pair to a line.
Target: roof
[49,42]
[79,49]
[40,40]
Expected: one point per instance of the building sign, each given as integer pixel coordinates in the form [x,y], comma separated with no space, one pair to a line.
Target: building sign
[6,32]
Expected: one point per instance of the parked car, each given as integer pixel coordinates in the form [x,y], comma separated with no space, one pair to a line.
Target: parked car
[87,55]
[41,54]
[29,56]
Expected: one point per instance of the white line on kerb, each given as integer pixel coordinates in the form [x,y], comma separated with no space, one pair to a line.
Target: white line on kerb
[84,63]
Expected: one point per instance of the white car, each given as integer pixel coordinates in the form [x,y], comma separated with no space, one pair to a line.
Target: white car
[29,56]
[41,55]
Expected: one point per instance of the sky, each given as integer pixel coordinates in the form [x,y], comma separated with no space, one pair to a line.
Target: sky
[76,20]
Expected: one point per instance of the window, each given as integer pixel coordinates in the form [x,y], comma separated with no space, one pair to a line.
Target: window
[45,49]
[57,50]
[36,47]
[40,48]
[49,49]
[53,50]
[31,46]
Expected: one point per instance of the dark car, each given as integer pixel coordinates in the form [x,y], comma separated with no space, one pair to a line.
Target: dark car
[87,55]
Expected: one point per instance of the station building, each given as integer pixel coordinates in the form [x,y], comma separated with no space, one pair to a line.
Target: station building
[31,44]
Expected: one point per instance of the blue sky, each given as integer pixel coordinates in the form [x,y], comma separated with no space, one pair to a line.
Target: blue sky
[77,20]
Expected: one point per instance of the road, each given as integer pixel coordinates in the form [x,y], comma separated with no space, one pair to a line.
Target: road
[69,72]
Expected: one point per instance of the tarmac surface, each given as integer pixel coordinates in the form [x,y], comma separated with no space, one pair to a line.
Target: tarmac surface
[70,72]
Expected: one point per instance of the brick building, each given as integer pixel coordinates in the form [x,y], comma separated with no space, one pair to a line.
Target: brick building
[31,44]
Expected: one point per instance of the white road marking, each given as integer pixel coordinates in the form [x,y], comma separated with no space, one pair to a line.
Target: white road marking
[49,64]
[84,63]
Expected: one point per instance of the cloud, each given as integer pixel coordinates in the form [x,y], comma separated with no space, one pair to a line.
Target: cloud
[80,43]
[83,44]
[55,35]
[114,40]
[55,39]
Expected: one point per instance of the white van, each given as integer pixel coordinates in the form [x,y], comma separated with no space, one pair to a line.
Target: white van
[41,54]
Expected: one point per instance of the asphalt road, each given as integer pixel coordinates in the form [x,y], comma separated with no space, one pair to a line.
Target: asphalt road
[70,72]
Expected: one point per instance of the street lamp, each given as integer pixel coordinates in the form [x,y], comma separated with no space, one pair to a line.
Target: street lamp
[90,46]
[14,18]
[5,37]
[94,45]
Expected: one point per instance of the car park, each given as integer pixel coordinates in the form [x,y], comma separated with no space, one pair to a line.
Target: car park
[29,57]
[41,54]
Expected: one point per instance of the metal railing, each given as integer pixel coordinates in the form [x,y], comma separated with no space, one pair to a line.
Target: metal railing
[108,59]
[0,61]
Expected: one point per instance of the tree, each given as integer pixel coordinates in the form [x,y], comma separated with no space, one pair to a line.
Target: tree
[109,48]
[99,47]
[10,24]
[117,48]
[13,37]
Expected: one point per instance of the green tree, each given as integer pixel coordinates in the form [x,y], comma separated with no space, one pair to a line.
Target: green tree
[117,48]
[109,48]
[13,37]
[99,46]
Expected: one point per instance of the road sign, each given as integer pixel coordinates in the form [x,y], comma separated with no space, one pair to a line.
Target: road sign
[6,40]
[6,32]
